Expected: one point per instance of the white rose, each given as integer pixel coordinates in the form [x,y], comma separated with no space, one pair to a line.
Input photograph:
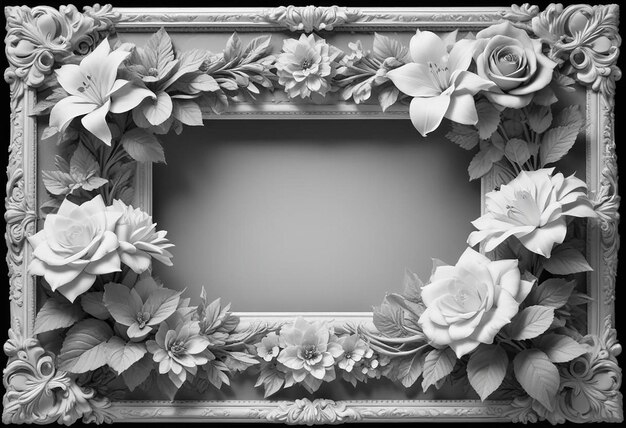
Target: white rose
[467,304]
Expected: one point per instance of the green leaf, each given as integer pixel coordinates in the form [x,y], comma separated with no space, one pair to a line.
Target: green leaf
[560,348]
[136,374]
[143,146]
[188,112]
[464,136]
[566,261]
[488,118]
[410,369]
[537,375]
[92,304]
[57,313]
[517,151]
[552,292]
[539,118]
[85,346]
[121,355]
[531,322]
[437,365]
[486,369]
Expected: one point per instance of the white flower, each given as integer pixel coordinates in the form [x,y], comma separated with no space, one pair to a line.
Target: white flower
[268,348]
[354,350]
[139,240]
[439,82]
[94,91]
[306,66]
[532,207]
[75,245]
[467,304]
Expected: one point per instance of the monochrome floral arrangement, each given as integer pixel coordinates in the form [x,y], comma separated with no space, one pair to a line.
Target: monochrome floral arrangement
[504,321]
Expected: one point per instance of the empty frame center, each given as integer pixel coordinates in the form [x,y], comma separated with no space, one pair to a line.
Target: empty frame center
[309,215]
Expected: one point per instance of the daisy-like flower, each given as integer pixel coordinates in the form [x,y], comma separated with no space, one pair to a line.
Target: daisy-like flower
[308,349]
[94,91]
[140,242]
[178,349]
[268,348]
[306,66]
[354,350]
[532,207]
[439,82]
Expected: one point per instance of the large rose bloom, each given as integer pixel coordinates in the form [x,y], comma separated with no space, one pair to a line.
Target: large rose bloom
[75,245]
[507,56]
[469,303]
[306,66]
[140,242]
[532,207]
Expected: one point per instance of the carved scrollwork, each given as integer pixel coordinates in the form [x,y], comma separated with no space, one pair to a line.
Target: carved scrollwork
[587,38]
[38,37]
[310,18]
[307,412]
[38,393]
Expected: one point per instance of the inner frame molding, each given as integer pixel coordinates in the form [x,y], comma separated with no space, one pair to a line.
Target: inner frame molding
[27,71]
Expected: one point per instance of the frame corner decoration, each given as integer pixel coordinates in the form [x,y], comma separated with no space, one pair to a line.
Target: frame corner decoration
[582,40]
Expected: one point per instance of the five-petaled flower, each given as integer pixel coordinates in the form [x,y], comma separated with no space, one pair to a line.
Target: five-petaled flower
[179,348]
[268,348]
[75,245]
[532,207]
[95,91]
[439,82]
[467,304]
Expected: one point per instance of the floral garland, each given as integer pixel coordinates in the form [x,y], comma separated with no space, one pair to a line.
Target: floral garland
[508,325]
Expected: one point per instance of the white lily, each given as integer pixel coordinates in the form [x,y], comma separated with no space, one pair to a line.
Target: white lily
[95,91]
[439,82]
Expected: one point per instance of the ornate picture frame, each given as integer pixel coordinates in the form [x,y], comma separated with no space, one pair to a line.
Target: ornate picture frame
[538,341]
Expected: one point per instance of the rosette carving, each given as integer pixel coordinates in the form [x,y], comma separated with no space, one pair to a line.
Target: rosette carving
[587,38]
[38,37]
[310,18]
[38,393]
[316,412]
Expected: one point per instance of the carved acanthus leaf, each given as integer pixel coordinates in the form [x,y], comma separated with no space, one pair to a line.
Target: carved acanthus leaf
[307,412]
[38,393]
[310,18]
[38,37]
[587,38]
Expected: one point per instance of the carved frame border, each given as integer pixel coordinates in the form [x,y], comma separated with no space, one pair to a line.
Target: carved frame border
[67,402]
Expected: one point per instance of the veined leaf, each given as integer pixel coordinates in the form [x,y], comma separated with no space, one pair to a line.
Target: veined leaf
[531,322]
[57,313]
[566,261]
[552,292]
[557,141]
[233,48]
[488,118]
[539,117]
[387,97]
[161,44]
[537,375]
[517,151]
[188,112]
[92,304]
[410,369]
[121,355]
[560,348]
[385,47]
[257,48]
[85,348]
[143,146]
[437,365]
[136,374]
[486,369]
[464,136]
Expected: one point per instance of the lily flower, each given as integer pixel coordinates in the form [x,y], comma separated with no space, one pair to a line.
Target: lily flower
[94,91]
[439,82]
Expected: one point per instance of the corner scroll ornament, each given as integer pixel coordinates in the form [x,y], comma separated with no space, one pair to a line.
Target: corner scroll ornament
[310,18]
[586,37]
[307,412]
[38,393]
[38,37]
[589,389]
